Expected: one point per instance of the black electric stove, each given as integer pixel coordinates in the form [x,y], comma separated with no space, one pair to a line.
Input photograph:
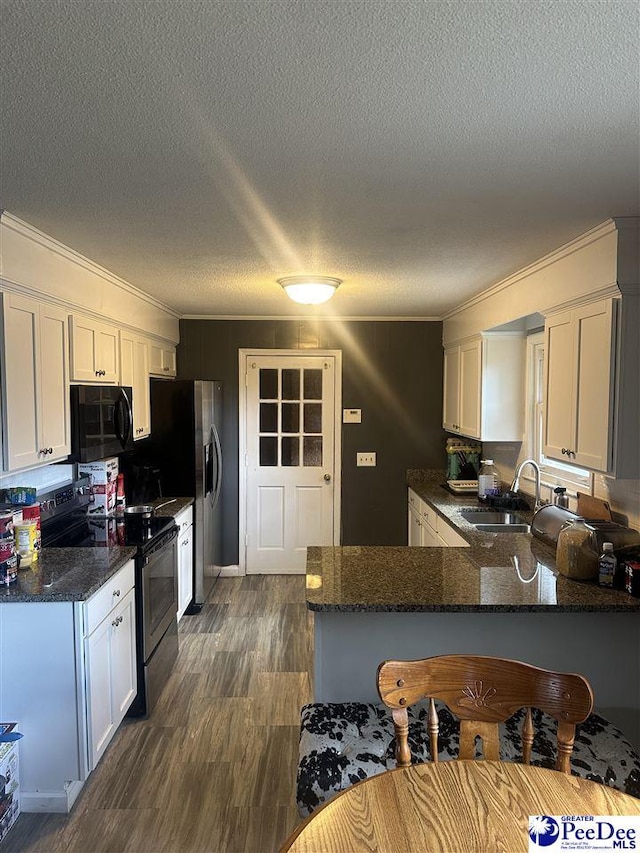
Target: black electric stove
[67,522]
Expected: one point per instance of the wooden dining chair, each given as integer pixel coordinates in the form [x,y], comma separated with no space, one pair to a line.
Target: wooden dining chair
[483,692]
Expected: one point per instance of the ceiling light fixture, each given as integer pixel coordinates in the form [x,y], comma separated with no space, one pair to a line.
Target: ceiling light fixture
[309,289]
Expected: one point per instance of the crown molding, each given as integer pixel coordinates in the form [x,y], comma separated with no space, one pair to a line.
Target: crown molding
[325,318]
[575,245]
[35,235]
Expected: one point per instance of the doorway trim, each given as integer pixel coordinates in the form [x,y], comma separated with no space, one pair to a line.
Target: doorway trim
[243,354]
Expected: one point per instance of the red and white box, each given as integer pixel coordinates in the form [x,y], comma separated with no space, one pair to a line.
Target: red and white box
[103,482]
[9,781]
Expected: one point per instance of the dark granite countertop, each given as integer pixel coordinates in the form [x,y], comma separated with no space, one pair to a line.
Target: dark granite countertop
[66,574]
[173,508]
[497,572]
[74,574]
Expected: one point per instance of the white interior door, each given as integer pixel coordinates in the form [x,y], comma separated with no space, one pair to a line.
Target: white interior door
[290,459]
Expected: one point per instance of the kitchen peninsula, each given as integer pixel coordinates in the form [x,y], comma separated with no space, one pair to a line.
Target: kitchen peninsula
[499,596]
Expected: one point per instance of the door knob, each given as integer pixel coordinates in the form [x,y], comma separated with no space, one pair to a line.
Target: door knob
[327,478]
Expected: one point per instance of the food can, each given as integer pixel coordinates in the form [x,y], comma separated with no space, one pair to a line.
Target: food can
[32,513]
[6,523]
[7,549]
[9,570]
[27,541]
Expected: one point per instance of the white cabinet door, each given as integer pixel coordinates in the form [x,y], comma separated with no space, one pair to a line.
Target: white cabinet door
[451,391]
[110,660]
[185,570]
[35,381]
[20,381]
[415,528]
[54,384]
[593,385]
[123,658]
[580,380]
[134,372]
[94,351]
[461,393]
[560,384]
[162,360]
[470,364]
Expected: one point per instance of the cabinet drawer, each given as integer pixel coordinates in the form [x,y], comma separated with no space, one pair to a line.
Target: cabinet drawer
[450,536]
[429,514]
[184,519]
[107,597]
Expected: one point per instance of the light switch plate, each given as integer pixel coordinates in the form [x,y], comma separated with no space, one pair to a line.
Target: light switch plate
[365,460]
[352,416]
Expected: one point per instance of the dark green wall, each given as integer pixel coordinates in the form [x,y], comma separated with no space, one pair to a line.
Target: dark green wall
[391,370]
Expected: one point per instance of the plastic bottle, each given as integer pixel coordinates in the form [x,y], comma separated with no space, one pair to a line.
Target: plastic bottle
[607,564]
[488,483]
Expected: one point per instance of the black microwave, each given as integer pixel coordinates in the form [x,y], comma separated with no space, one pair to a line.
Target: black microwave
[101,421]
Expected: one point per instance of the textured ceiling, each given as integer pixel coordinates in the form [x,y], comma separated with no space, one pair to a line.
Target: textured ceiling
[419,150]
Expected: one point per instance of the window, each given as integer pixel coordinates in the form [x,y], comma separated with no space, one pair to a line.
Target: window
[552,473]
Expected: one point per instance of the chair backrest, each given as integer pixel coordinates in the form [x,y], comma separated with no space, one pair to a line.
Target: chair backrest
[482,692]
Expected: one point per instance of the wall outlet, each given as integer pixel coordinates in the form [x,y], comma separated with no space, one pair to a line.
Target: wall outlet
[365,460]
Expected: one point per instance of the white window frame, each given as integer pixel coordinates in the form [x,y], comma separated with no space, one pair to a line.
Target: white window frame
[552,473]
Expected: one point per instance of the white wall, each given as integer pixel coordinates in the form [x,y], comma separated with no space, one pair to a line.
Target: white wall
[34,263]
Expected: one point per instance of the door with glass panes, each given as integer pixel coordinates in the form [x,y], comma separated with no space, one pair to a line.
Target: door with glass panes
[290,455]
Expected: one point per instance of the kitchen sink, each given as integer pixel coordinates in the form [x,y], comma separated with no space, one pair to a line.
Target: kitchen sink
[495,521]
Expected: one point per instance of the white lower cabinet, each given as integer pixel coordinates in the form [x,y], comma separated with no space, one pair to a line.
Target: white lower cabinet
[428,529]
[184,520]
[69,686]
[110,666]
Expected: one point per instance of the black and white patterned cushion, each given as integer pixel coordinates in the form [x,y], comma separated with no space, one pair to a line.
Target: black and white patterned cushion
[343,743]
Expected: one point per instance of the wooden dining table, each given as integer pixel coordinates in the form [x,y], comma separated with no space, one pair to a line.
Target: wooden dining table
[452,806]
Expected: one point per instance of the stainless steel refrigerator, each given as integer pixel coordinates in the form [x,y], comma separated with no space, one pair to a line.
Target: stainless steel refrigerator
[185,448]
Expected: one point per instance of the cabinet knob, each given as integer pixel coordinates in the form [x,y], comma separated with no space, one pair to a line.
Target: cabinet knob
[564,451]
[116,592]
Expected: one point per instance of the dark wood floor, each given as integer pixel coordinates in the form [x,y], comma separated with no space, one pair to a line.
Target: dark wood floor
[213,769]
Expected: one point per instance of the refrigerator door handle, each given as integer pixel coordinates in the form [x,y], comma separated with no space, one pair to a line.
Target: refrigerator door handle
[218,450]
[208,470]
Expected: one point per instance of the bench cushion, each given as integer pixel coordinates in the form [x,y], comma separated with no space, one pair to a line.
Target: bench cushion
[340,744]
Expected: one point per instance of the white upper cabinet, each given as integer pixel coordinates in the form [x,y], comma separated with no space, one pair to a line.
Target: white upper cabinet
[35,382]
[591,367]
[484,382]
[134,372]
[94,351]
[162,360]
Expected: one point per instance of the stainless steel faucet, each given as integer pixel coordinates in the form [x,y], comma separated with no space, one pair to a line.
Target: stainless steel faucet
[515,486]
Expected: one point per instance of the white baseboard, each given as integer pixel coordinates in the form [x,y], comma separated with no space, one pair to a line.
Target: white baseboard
[57,802]
[226,572]
[231,572]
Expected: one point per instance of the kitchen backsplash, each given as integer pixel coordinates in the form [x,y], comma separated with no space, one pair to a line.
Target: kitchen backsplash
[623,495]
[43,478]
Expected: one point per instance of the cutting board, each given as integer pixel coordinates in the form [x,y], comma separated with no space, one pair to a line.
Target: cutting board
[589,507]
